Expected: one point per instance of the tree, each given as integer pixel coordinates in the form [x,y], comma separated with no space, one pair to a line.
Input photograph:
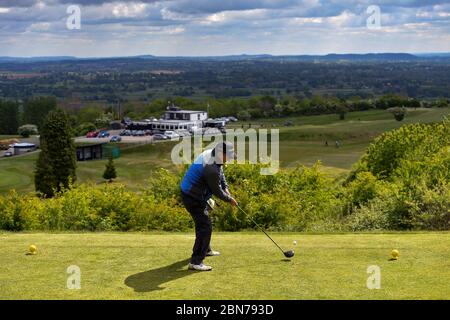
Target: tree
[56,165]
[399,113]
[110,170]
[84,128]
[243,115]
[279,109]
[89,114]
[36,110]
[104,120]
[341,111]
[9,117]
[441,103]
[27,130]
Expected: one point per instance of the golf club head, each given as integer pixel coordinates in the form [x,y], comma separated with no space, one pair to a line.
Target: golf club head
[289,253]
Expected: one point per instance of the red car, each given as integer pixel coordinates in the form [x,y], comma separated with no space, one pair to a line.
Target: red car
[92,134]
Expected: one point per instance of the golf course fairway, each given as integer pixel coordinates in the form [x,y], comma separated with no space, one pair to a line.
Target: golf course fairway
[154,266]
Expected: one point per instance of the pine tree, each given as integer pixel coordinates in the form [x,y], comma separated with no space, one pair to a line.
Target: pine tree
[56,165]
[110,170]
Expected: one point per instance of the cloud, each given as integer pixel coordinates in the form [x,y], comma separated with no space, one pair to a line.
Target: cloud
[17,3]
[167,27]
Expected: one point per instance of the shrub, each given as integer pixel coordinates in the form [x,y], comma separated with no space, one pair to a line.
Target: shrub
[17,212]
[414,141]
[398,112]
[165,216]
[110,170]
[27,130]
[163,185]
[371,217]
[432,209]
[84,128]
[361,190]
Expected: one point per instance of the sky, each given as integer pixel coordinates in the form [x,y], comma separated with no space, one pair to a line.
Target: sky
[221,27]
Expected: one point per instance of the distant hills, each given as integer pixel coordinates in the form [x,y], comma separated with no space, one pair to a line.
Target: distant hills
[36,59]
[333,57]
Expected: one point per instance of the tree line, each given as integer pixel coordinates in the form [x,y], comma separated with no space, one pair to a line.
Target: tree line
[89,117]
[32,111]
[271,107]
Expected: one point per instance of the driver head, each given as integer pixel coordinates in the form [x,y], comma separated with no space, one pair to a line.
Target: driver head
[289,253]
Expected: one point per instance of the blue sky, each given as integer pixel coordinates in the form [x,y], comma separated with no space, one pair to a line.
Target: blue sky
[221,27]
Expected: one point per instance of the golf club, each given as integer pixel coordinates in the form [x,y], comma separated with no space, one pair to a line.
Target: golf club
[287,254]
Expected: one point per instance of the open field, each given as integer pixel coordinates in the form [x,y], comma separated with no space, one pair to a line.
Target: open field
[302,143]
[153,266]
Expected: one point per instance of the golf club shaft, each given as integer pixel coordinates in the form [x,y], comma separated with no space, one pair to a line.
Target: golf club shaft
[261,228]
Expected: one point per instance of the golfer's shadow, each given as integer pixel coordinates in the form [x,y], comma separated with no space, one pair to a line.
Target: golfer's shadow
[152,280]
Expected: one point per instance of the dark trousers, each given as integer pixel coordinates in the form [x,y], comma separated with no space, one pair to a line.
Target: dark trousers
[203,227]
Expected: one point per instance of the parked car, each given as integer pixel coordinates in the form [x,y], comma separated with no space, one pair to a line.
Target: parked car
[183,133]
[8,154]
[137,133]
[92,134]
[233,119]
[103,134]
[159,136]
[223,119]
[125,133]
[172,135]
[115,139]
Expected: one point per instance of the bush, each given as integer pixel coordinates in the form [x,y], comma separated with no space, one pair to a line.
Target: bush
[88,207]
[403,180]
[17,212]
[372,217]
[27,130]
[432,209]
[110,170]
[84,128]
[364,188]
[290,200]
[398,112]
[414,142]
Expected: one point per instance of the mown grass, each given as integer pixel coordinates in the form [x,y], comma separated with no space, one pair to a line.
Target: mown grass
[153,266]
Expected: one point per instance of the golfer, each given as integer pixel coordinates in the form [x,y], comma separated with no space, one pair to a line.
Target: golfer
[203,179]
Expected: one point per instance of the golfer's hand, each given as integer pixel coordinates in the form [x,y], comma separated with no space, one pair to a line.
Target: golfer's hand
[233,202]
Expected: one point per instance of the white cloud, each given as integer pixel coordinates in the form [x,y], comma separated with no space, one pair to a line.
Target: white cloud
[221,26]
[39,26]
[128,9]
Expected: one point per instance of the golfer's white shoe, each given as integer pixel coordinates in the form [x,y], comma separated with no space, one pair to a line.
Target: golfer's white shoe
[212,253]
[199,267]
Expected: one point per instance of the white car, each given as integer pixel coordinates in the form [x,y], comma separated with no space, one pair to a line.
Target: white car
[172,135]
[183,133]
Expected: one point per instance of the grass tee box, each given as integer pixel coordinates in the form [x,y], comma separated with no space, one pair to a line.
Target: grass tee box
[154,266]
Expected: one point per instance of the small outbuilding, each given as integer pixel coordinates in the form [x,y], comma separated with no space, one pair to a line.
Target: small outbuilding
[96,151]
[24,147]
[91,151]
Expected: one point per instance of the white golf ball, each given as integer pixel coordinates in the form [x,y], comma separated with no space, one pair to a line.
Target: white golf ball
[295,242]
